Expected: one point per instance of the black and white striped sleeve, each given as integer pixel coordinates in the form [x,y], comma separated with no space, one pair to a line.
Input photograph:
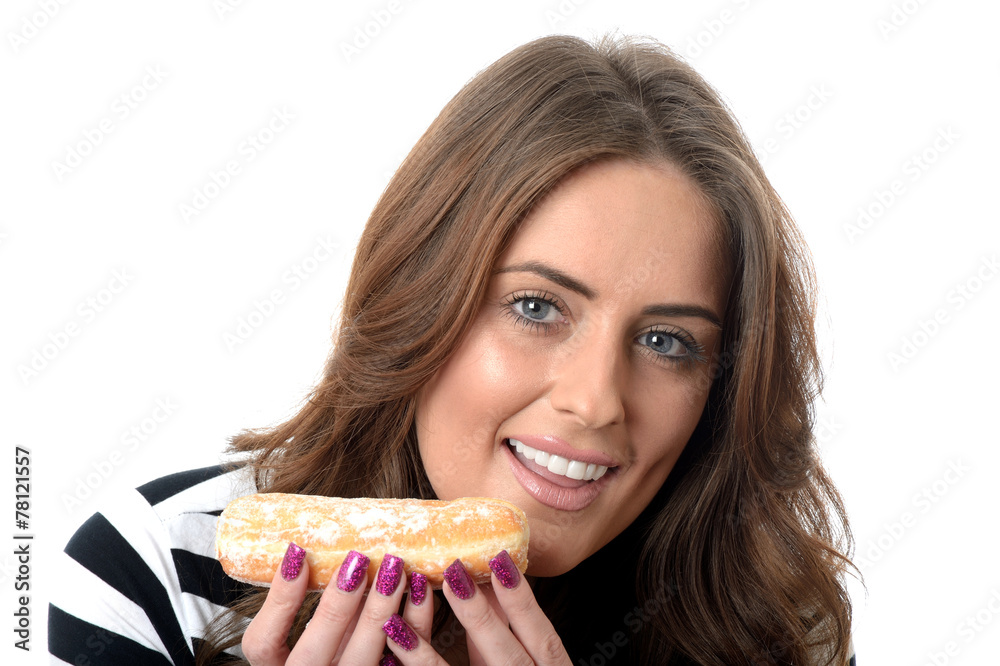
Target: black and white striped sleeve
[140,578]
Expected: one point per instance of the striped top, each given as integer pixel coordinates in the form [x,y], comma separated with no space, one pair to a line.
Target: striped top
[145,581]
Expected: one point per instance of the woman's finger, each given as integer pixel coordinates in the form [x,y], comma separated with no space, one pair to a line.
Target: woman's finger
[527,620]
[264,642]
[334,614]
[475,658]
[483,626]
[419,609]
[409,648]
[368,639]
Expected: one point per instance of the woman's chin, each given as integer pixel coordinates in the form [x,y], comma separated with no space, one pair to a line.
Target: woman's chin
[548,560]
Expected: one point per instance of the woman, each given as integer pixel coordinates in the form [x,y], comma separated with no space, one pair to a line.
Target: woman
[581,263]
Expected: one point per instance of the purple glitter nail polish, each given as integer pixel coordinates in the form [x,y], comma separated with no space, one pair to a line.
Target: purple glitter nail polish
[389,574]
[418,588]
[352,571]
[291,563]
[400,633]
[389,660]
[459,580]
[505,570]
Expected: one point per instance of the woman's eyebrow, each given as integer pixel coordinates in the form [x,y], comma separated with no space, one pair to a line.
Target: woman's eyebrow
[684,311]
[552,275]
[563,280]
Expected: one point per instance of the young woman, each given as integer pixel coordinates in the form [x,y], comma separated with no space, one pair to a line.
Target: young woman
[579,293]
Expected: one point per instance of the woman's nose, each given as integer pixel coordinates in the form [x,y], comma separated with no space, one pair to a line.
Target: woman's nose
[589,379]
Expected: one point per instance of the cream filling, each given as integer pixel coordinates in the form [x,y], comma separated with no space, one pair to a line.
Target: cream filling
[572,469]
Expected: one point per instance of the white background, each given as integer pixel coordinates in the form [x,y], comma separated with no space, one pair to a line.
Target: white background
[869,86]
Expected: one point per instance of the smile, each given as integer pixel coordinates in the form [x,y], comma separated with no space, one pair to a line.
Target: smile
[572,469]
[550,483]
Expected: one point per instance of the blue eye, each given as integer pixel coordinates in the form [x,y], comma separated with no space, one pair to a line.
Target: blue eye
[664,344]
[533,308]
[672,346]
[535,311]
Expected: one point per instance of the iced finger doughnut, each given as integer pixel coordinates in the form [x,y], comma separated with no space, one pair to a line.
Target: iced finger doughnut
[254,531]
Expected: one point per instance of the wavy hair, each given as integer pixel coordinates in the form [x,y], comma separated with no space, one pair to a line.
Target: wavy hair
[742,555]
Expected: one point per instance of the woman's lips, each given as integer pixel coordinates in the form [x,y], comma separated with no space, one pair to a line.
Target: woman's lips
[569,468]
[556,446]
[551,489]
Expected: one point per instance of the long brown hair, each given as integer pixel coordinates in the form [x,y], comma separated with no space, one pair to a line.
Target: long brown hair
[741,555]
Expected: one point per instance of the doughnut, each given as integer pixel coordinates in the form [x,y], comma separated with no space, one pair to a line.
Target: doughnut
[254,531]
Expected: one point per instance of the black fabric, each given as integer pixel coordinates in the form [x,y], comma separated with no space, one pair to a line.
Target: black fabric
[204,577]
[79,642]
[168,486]
[99,547]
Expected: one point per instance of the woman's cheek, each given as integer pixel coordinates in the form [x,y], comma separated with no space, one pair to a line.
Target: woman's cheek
[450,458]
[440,473]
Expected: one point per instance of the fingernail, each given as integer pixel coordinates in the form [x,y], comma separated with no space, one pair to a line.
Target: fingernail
[389,574]
[400,633]
[352,571]
[459,580]
[505,570]
[418,588]
[291,563]
[389,660]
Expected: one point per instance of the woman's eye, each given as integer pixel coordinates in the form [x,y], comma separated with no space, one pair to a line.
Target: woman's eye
[535,309]
[663,343]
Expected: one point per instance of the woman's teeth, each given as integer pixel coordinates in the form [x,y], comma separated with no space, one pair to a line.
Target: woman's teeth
[573,469]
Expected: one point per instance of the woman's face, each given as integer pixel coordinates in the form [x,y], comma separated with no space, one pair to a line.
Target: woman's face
[592,350]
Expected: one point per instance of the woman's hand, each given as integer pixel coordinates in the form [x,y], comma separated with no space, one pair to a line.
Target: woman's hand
[344,628]
[504,624]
